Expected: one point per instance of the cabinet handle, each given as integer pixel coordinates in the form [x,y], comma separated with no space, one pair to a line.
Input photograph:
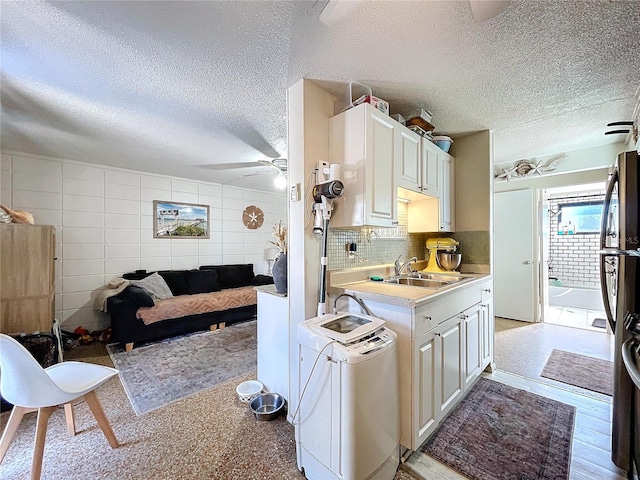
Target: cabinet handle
[464,317]
[395,223]
[427,318]
[488,290]
[438,334]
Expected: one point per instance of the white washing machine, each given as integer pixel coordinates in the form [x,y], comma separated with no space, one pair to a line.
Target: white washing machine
[347,424]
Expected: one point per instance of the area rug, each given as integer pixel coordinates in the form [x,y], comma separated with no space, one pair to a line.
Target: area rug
[599,323]
[581,371]
[161,373]
[502,432]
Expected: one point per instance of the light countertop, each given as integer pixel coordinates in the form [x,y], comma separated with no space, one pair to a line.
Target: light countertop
[394,294]
[270,289]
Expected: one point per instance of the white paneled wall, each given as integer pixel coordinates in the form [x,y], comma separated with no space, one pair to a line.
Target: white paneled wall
[104,225]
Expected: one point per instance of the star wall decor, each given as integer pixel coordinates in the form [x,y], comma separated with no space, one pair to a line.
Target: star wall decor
[252,217]
[526,168]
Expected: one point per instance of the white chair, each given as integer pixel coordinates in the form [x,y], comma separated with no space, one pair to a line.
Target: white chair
[30,387]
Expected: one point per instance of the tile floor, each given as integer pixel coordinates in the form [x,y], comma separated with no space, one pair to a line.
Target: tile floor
[575,317]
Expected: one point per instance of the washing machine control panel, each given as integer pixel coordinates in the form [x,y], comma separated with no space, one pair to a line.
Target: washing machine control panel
[376,342]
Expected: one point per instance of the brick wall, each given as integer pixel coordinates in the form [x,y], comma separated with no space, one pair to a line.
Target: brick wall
[573,259]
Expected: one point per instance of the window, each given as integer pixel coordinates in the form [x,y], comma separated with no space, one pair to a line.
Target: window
[579,218]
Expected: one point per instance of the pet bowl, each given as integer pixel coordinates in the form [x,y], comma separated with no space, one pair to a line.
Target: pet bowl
[267,406]
[249,389]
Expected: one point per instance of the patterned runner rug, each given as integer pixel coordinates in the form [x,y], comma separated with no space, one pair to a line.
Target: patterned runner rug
[501,432]
[585,372]
[161,373]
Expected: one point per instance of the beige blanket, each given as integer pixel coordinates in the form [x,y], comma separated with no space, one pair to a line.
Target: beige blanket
[113,288]
[184,305]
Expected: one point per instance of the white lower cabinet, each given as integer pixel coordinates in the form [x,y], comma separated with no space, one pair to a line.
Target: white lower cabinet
[473,343]
[452,363]
[487,321]
[443,347]
[426,358]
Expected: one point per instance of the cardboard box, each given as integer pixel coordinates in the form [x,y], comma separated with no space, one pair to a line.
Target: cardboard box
[375,102]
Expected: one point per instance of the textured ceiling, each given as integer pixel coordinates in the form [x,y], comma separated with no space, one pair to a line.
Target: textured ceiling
[188,88]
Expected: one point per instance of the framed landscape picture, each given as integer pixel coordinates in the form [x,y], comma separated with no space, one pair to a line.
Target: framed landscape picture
[180,220]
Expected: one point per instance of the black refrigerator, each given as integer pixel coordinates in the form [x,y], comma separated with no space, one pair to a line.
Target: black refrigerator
[620,281]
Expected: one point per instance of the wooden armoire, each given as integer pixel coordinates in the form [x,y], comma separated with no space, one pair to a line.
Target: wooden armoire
[27,278]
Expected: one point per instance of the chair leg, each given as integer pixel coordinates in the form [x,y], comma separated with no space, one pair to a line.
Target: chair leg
[71,419]
[12,427]
[128,347]
[94,405]
[41,434]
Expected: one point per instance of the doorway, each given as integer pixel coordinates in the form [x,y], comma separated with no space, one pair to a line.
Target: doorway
[570,280]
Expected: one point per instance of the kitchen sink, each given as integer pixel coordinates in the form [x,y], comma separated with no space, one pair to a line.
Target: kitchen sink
[418,282]
[442,278]
[426,280]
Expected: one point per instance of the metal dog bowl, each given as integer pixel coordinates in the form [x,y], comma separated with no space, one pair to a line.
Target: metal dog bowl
[267,406]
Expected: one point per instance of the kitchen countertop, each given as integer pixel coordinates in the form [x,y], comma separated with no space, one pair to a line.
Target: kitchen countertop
[402,295]
[270,289]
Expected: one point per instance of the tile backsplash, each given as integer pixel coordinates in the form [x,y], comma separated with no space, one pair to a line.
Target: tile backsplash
[380,246]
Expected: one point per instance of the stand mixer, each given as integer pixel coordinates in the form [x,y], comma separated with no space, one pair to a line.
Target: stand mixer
[444,245]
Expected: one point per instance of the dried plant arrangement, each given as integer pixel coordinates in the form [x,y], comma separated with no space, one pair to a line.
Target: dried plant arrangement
[280,232]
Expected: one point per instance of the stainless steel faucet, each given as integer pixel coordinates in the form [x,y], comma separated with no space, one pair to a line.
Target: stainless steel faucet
[399,267]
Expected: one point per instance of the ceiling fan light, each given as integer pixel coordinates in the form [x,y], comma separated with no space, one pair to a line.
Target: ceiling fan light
[280,182]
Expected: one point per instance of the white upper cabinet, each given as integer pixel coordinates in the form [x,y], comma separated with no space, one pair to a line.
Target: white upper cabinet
[430,178]
[409,159]
[417,166]
[436,214]
[447,192]
[365,143]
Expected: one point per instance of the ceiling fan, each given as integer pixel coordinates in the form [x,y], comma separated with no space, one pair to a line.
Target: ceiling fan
[335,11]
[274,166]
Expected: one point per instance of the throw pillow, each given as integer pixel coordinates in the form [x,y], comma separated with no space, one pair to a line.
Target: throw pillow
[177,281]
[155,286]
[232,276]
[202,281]
[139,296]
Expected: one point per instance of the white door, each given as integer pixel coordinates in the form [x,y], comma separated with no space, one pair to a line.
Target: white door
[516,262]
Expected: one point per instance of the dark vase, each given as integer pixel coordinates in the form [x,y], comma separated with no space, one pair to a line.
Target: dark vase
[279,272]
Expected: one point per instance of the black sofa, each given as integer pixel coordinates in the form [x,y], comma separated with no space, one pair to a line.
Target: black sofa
[129,330]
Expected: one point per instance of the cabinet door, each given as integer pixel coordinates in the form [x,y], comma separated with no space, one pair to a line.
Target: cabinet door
[487,329]
[426,387]
[451,363]
[430,178]
[27,277]
[380,184]
[473,343]
[488,323]
[447,192]
[408,161]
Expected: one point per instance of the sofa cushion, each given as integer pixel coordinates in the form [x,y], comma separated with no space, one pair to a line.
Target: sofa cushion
[262,280]
[202,281]
[177,281]
[232,276]
[155,286]
[139,296]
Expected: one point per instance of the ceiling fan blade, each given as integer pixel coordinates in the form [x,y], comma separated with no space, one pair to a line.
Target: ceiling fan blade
[485,9]
[231,165]
[335,11]
[260,172]
[268,163]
